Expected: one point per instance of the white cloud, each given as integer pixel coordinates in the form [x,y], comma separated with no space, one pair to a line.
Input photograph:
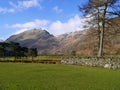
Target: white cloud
[6,10]
[73,24]
[57,9]
[36,23]
[11,10]
[32,24]
[20,31]
[20,5]
[1,38]
[25,4]
[28,25]
[2,9]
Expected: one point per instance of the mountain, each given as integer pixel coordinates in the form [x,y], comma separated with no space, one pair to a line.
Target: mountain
[70,41]
[47,43]
[84,42]
[36,38]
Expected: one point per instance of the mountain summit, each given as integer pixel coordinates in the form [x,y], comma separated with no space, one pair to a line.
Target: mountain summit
[35,38]
[47,43]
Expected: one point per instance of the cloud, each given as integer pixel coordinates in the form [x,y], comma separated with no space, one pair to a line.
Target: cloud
[32,24]
[6,10]
[20,5]
[28,25]
[20,31]
[57,9]
[1,38]
[73,24]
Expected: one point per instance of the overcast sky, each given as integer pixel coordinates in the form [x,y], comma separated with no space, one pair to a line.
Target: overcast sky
[56,16]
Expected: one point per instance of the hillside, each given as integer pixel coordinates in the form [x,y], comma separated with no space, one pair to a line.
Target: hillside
[47,43]
[70,41]
[35,38]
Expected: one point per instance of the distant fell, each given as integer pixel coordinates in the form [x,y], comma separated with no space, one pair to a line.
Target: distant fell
[35,38]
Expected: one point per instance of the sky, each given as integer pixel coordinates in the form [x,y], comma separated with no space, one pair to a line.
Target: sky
[55,16]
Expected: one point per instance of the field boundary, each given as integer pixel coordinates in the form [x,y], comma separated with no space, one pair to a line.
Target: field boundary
[33,61]
[113,63]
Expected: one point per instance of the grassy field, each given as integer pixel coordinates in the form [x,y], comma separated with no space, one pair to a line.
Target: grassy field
[21,76]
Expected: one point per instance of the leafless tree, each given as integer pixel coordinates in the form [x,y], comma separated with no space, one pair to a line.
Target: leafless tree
[100,13]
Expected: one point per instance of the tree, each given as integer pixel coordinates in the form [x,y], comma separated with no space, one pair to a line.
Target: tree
[24,51]
[3,50]
[73,53]
[15,49]
[100,12]
[33,52]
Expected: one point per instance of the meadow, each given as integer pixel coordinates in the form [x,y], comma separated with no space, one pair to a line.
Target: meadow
[32,76]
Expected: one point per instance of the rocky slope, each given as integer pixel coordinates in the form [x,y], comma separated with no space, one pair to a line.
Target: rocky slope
[36,38]
[70,41]
[47,43]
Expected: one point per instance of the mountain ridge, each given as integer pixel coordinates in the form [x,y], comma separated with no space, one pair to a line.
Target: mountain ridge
[35,38]
[82,42]
[48,43]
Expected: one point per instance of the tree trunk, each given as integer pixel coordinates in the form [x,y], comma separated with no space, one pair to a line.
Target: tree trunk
[99,32]
[100,52]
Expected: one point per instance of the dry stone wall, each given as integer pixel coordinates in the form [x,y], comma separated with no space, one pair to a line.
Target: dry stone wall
[113,63]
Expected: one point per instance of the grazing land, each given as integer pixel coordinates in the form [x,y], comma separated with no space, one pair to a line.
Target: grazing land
[31,76]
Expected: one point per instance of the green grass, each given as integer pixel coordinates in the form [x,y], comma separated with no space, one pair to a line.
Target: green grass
[21,76]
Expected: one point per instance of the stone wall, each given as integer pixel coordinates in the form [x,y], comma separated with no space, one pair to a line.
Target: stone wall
[113,63]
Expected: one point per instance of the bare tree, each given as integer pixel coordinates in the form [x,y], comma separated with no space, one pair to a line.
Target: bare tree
[100,13]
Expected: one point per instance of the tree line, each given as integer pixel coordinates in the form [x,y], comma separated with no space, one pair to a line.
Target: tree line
[14,49]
